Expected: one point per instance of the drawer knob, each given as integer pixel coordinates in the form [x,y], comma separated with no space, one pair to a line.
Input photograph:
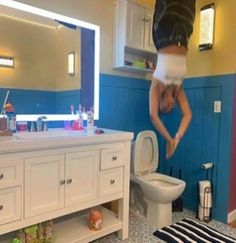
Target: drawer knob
[1,207]
[69,181]
[62,182]
[112,181]
[114,158]
[1,176]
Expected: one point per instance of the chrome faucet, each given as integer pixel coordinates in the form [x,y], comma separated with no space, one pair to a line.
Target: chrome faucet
[41,124]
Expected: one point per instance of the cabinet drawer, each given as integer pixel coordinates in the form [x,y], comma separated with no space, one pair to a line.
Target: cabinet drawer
[113,157]
[10,205]
[11,172]
[111,181]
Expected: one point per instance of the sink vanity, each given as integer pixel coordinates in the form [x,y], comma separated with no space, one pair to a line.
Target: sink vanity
[58,175]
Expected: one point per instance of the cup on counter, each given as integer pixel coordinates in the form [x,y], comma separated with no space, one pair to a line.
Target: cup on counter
[21,126]
[3,124]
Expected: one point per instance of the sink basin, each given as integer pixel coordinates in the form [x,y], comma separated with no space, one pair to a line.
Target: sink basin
[47,134]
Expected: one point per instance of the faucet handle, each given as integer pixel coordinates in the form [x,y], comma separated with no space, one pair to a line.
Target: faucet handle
[45,126]
[32,126]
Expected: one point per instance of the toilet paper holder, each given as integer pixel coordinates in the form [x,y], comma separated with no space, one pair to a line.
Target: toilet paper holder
[207,165]
[206,193]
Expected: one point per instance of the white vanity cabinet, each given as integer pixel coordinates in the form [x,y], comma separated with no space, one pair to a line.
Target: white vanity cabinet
[62,179]
[132,35]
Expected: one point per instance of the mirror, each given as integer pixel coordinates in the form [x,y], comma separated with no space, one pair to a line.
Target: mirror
[40,42]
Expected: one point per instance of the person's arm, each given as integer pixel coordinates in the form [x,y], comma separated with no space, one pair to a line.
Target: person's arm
[186,118]
[155,92]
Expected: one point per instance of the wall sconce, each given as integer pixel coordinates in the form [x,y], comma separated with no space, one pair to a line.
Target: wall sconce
[6,61]
[71,63]
[207,16]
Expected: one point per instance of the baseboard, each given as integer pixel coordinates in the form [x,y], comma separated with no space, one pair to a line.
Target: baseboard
[231,216]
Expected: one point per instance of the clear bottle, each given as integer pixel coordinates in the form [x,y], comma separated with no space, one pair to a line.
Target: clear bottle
[11,121]
[81,119]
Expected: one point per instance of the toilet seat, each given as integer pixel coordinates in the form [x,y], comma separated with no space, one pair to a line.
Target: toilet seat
[146,155]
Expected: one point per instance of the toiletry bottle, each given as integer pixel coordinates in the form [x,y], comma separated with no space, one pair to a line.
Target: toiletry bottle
[72,110]
[81,119]
[11,117]
[84,115]
[90,121]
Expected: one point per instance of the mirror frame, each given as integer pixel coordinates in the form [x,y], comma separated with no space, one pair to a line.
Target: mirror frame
[51,15]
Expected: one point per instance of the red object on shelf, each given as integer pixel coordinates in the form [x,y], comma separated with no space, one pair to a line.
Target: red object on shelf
[95,219]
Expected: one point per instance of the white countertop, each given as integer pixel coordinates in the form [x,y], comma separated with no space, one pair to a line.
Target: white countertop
[56,138]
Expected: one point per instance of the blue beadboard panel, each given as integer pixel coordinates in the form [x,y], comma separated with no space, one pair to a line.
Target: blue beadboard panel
[67,98]
[124,106]
[30,101]
[38,102]
[124,103]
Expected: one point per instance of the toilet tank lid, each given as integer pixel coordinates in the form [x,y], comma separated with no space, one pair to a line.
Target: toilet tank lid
[146,153]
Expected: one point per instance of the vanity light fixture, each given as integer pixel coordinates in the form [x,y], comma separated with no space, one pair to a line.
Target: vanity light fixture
[71,63]
[207,16]
[6,61]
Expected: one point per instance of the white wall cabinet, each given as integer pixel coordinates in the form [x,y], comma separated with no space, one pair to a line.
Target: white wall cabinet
[63,179]
[132,35]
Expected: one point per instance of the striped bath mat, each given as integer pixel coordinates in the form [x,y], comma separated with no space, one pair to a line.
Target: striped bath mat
[191,231]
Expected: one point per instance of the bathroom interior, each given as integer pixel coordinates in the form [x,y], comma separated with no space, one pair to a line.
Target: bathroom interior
[38,84]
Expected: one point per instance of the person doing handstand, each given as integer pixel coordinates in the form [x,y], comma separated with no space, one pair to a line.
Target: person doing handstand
[172,27]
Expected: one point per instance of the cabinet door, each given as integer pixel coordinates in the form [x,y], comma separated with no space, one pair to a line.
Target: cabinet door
[81,176]
[135,26]
[148,42]
[44,184]
[10,205]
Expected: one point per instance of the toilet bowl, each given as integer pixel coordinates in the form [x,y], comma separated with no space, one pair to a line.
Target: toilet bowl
[158,190]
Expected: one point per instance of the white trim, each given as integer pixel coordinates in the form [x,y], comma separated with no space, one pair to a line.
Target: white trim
[63,18]
[50,117]
[231,216]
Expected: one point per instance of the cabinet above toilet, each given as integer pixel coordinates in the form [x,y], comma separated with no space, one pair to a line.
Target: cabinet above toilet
[133,46]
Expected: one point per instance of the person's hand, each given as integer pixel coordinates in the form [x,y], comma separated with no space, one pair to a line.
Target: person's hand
[170,148]
[176,142]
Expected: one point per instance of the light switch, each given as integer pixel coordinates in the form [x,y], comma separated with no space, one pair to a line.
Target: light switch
[217,106]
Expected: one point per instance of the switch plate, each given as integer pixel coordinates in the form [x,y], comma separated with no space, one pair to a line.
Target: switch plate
[217,106]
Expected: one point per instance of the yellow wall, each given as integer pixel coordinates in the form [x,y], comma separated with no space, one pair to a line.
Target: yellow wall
[34,53]
[68,41]
[40,55]
[147,3]
[222,58]
[219,60]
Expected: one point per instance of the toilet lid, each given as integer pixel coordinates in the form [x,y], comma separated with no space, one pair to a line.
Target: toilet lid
[146,152]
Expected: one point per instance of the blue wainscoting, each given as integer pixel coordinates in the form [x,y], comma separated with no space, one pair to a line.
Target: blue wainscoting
[67,98]
[124,106]
[41,102]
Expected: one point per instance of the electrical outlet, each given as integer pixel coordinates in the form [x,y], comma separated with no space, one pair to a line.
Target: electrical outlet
[217,106]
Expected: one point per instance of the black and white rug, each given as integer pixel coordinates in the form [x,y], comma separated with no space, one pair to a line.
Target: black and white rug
[191,231]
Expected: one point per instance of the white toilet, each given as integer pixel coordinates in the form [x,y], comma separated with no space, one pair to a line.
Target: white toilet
[159,190]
